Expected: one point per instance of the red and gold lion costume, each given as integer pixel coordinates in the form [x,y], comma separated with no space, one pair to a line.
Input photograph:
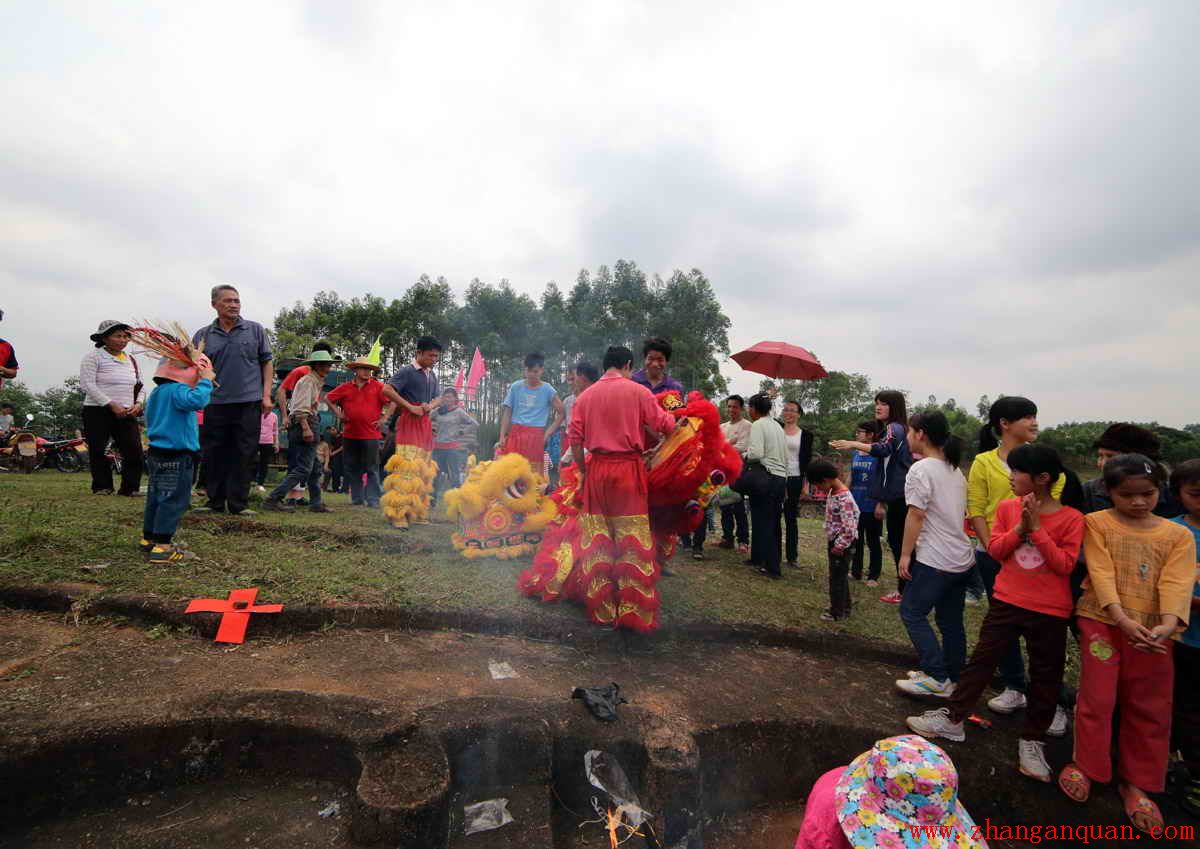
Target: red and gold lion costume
[683,475]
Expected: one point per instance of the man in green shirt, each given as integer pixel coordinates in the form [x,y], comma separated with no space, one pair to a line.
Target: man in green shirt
[767,448]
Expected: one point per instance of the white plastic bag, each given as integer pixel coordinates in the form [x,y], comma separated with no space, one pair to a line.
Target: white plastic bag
[486,816]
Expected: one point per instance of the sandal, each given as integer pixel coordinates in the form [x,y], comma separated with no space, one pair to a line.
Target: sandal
[1138,804]
[1074,783]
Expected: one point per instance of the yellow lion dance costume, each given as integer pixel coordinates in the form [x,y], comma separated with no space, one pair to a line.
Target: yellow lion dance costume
[500,509]
[407,487]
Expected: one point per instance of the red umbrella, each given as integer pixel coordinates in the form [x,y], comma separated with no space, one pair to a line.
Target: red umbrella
[779,359]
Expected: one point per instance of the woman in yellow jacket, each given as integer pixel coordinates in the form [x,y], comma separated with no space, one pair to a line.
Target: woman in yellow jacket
[1012,422]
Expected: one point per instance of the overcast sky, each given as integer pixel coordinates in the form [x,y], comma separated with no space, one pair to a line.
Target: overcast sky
[953,198]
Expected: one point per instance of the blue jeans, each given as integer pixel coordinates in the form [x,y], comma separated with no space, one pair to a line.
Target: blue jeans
[943,593]
[303,468]
[168,494]
[1012,665]
[450,462]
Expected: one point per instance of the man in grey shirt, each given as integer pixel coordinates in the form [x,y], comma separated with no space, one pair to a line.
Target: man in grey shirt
[767,448]
[241,355]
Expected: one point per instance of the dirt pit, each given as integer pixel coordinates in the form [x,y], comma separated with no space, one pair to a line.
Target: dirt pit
[114,738]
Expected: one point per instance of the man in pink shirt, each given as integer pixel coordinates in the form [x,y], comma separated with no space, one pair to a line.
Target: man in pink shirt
[616,551]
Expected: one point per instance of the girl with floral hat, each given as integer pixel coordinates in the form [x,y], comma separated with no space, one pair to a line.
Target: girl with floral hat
[901,793]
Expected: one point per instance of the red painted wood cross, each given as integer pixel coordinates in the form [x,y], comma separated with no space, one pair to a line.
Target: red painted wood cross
[235,612]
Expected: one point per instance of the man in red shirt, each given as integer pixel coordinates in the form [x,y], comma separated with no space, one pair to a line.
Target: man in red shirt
[363,413]
[616,551]
[8,360]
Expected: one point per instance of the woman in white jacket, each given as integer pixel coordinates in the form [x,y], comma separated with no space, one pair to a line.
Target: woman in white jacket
[112,385]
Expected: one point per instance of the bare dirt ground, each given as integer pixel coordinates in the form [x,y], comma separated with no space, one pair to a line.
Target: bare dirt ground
[765,721]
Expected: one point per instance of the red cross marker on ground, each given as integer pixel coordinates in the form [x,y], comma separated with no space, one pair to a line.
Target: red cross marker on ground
[236,612]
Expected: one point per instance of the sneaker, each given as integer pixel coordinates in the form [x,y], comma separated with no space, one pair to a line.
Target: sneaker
[145,545]
[743,548]
[203,509]
[246,511]
[891,598]
[168,553]
[793,564]
[971,600]
[1007,702]
[924,685]
[871,582]
[318,508]
[725,543]
[697,554]
[1058,727]
[102,492]
[1032,760]
[260,489]
[937,723]
[828,617]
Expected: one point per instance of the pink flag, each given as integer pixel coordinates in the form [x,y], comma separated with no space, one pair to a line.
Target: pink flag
[478,370]
[458,383]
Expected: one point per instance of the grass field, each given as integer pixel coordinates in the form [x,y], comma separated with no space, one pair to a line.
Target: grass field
[54,531]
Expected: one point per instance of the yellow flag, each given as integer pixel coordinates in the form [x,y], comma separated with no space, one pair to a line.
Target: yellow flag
[376,352]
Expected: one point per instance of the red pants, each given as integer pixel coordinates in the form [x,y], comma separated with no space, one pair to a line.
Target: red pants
[1114,673]
[414,430]
[529,442]
[618,571]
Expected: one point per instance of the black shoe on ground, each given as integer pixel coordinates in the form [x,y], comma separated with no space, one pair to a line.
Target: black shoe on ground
[793,564]
[697,554]
[318,508]
[277,506]
[762,570]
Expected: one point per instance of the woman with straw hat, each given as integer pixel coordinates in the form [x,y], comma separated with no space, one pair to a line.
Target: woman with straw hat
[365,404]
[112,386]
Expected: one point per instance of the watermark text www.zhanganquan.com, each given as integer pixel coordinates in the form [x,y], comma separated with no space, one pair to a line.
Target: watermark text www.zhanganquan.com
[1078,834]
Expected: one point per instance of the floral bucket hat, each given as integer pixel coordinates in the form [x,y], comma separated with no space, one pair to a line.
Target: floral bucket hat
[903,794]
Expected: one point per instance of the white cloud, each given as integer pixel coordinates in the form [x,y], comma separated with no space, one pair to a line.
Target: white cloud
[953,198]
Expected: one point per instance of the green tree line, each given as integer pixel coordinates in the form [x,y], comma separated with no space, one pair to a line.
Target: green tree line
[620,305]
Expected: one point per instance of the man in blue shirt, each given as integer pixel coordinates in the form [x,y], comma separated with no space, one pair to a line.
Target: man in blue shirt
[531,412]
[241,356]
[656,353]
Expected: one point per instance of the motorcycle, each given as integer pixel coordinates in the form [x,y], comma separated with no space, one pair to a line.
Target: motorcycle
[21,451]
[63,454]
[26,452]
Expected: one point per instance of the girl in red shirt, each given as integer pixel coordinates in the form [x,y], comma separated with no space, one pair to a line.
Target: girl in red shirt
[1036,539]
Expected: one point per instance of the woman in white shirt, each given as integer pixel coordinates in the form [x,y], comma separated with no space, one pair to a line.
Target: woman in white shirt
[935,556]
[799,453]
[112,385]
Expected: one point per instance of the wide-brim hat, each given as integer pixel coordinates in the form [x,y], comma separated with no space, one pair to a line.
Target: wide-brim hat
[903,793]
[361,362]
[320,357]
[106,327]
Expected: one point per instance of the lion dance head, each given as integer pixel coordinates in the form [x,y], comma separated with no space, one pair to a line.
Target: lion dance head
[500,508]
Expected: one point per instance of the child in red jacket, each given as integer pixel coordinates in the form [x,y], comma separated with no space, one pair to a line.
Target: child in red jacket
[1036,539]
